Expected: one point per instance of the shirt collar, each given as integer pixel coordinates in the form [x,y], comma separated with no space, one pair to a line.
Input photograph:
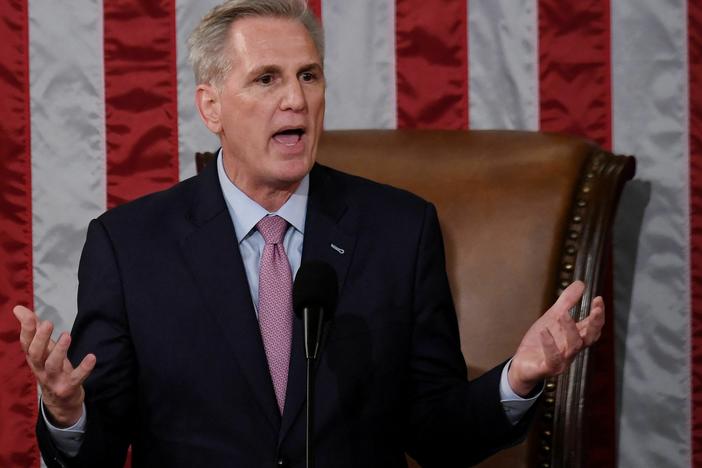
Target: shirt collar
[245,212]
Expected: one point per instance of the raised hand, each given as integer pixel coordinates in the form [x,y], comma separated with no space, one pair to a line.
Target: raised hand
[553,341]
[60,382]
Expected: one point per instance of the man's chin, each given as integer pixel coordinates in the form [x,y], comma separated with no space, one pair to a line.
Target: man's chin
[293,172]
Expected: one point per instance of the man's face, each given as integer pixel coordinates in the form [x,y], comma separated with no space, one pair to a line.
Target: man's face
[270,105]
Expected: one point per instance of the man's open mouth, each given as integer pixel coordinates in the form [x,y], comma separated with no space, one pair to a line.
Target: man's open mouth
[289,136]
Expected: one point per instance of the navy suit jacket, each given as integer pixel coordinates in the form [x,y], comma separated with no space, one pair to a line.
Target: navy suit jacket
[181,373]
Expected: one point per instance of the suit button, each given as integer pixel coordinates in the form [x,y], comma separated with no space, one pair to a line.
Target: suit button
[281,463]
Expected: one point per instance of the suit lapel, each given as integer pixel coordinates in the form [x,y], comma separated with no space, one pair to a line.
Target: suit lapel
[212,255]
[330,236]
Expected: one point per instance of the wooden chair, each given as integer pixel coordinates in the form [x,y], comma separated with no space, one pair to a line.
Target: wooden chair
[523,214]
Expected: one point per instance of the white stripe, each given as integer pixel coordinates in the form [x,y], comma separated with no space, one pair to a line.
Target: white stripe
[650,120]
[503,64]
[193,136]
[360,64]
[68,151]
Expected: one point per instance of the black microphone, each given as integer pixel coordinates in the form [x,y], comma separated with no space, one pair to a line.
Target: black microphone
[315,292]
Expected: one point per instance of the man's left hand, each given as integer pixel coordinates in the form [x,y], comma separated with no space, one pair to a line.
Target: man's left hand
[553,341]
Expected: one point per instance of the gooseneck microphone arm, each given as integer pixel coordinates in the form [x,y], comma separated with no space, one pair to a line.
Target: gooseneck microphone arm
[314,298]
[313,321]
[309,451]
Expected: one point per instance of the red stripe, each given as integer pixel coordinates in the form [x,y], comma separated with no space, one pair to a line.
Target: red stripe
[694,31]
[18,394]
[432,64]
[575,68]
[140,97]
[316,7]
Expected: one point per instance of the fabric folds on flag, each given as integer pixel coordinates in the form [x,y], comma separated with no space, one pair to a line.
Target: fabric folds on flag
[97,108]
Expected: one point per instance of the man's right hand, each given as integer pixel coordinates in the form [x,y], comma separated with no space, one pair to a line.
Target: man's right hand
[60,382]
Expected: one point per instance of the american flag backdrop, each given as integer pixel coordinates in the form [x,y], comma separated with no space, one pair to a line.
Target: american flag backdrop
[96,108]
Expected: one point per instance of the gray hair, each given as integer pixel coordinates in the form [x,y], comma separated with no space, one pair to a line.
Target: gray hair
[208,42]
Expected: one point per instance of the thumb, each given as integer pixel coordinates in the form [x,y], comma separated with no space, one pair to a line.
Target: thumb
[568,298]
[23,314]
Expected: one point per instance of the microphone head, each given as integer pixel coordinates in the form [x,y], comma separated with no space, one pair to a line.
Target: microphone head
[315,285]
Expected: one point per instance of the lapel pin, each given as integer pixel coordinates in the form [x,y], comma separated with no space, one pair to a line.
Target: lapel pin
[338,249]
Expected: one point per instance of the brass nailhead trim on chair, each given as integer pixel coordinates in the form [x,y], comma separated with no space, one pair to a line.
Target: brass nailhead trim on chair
[561,421]
[577,223]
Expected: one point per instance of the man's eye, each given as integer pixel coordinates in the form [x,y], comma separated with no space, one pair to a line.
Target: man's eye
[265,79]
[307,76]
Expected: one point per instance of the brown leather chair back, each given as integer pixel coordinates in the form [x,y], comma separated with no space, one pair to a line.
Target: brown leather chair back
[523,214]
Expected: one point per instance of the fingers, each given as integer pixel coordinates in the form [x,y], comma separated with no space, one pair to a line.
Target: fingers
[568,298]
[566,338]
[61,384]
[44,354]
[84,369]
[560,342]
[38,349]
[569,335]
[597,302]
[555,339]
[57,356]
[23,314]
[590,328]
[28,325]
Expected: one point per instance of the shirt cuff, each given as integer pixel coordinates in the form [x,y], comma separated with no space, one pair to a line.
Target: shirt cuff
[514,406]
[68,440]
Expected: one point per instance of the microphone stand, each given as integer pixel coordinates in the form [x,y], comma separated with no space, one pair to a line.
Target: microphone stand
[309,451]
[313,332]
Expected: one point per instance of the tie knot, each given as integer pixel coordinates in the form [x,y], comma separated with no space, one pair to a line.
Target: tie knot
[272,228]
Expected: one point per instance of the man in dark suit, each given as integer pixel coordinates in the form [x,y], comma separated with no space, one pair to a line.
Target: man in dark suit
[184,345]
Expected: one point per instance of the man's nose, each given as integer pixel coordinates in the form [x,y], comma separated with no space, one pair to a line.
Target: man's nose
[293,97]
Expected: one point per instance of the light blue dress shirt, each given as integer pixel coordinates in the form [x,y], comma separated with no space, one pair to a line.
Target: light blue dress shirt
[245,213]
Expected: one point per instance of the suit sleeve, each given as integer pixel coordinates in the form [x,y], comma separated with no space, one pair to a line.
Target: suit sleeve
[453,422]
[101,327]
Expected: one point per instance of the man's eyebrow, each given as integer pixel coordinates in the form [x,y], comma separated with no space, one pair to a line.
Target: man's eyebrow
[263,69]
[311,66]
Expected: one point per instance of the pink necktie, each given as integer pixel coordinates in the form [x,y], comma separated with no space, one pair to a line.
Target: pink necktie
[275,314]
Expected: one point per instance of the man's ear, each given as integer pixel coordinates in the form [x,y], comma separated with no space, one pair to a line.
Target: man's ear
[208,104]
